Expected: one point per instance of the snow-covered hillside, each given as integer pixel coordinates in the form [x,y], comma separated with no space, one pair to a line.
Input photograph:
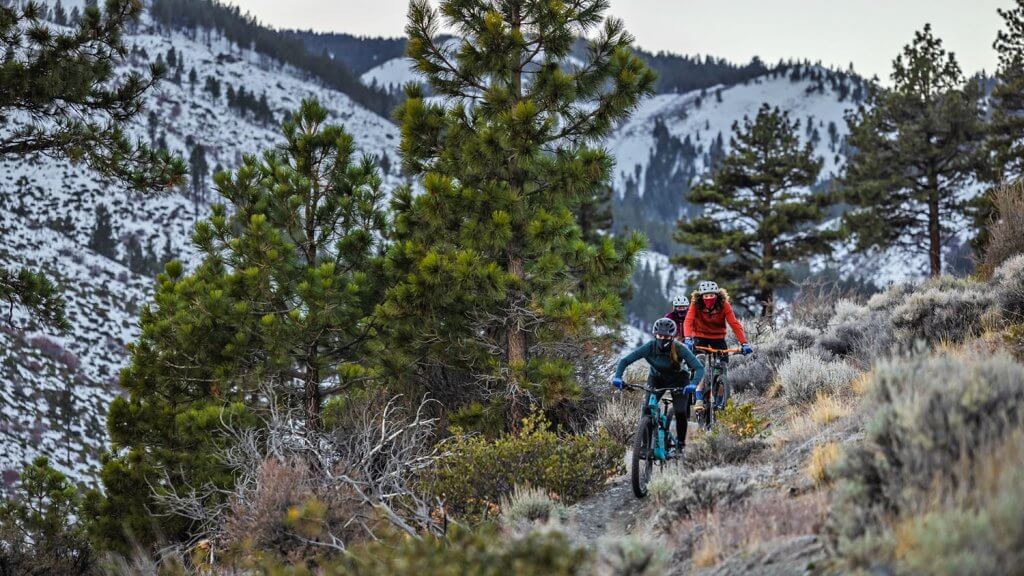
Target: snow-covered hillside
[707,116]
[54,390]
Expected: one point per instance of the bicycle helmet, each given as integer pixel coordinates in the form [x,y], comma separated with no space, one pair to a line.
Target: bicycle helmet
[680,301]
[664,327]
[707,287]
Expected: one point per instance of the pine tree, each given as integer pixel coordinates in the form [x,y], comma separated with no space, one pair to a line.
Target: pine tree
[193,78]
[199,169]
[1006,133]
[758,214]
[486,258]
[280,309]
[101,239]
[69,101]
[916,146]
[60,16]
[594,215]
[1005,140]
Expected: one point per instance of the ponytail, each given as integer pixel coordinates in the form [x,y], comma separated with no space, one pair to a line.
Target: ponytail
[674,355]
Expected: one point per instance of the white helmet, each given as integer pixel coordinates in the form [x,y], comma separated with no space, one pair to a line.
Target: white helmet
[707,287]
[680,301]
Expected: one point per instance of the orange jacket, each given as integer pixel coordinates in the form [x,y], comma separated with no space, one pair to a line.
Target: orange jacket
[703,323]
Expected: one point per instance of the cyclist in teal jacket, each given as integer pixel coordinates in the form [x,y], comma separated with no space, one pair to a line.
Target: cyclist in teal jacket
[673,368]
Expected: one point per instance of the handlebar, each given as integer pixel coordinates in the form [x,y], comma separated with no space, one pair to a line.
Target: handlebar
[718,350]
[652,390]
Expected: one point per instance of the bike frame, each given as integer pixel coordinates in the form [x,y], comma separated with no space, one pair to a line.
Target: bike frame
[715,371]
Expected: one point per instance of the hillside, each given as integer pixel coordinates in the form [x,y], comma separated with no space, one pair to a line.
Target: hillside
[56,389]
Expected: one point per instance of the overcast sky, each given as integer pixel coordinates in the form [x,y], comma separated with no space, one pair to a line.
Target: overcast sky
[868,33]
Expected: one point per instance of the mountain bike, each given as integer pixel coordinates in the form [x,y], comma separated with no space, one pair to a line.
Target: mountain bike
[653,433]
[716,382]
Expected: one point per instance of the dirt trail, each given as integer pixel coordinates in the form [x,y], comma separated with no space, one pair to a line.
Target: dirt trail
[612,512]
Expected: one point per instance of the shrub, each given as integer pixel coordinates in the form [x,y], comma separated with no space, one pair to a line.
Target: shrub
[618,417]
[721,448]
[704,491]
[891,297]
[804,375]
[481,552]
[39,528]
[742,422]
[823,457]
[630,556]
[666,486]
[973,540]
[1013,338]
[531,506]
[1009,288]
[943,309]
[1004,237]
[858,333]
[757,372]
[478,473]
[933,415]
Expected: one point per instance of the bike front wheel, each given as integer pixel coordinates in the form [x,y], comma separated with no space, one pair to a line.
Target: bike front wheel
[642,462]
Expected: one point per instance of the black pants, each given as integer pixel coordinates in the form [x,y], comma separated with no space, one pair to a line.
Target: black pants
[720,344]
[680,405]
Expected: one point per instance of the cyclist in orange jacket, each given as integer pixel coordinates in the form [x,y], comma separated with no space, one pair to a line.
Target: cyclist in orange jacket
[707,320]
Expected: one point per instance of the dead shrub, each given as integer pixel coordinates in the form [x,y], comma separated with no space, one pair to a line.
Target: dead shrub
[1004,237]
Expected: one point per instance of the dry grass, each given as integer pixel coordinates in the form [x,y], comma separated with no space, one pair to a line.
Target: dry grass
[710,547]
[805,423]
[765,518]
[820,462]
[827,408]
[861,386]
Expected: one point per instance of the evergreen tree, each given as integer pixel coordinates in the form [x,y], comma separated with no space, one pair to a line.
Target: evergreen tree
[101,239]
[41,528]
[758,215]
[916,146]
[1006,132]
[594,215]
[60,16]
[486,258]
[1005,142]
[199,169]
[69,100]
[280,309]
[193,79]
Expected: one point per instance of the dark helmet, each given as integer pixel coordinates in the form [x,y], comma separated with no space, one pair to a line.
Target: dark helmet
[664,327]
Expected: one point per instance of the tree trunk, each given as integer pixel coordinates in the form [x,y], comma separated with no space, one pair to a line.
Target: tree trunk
[311,392]
[767,264]
[934,232]
[516,354]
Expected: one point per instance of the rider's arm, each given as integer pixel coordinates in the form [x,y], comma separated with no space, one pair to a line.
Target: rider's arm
[691,315]
[630,358]
[737,328]
[692,362]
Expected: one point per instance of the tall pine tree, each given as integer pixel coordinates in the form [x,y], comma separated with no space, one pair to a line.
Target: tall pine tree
[758,214]
[917,145]
[489,257]
[280,309]
[1006,131]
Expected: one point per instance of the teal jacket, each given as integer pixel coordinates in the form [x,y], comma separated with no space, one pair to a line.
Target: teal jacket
[661,365]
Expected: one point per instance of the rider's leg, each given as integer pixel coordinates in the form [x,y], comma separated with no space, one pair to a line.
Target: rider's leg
[681,406]
[718,344]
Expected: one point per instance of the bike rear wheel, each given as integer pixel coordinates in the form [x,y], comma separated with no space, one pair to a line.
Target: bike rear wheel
[642,462]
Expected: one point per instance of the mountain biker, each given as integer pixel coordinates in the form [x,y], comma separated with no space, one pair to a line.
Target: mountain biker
[706,322]
[680,304]
[666,358]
